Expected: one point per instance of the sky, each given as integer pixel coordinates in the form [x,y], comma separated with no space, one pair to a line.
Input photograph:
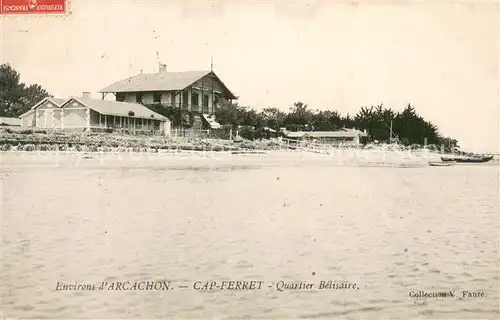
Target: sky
[442,57]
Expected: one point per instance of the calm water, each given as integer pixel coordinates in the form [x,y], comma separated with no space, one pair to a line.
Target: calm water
[390,230]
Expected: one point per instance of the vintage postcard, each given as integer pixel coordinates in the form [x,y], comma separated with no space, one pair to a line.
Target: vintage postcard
[249,159]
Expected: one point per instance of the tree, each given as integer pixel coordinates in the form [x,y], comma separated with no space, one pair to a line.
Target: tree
[10,89]
[251,118]
[32,95]
[300,117]
[229,114]
[15,97]
[325,120]
[273,118]
[177,116]
[410,127]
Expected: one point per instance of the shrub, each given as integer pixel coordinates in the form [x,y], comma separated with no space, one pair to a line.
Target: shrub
[28,147]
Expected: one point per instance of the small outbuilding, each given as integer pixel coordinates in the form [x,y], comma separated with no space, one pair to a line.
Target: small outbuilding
[46,114]
[342,136]
[87,114]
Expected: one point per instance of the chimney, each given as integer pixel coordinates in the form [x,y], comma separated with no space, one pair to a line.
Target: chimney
[163,68]
[86,94]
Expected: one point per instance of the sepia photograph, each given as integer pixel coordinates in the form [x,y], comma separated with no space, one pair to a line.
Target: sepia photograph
[271,159]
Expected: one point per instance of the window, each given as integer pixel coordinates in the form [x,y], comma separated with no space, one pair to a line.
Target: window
[216,99]
[172,98]
[120,96]
[195,99]
[138,97]
[157,97]
[205,100]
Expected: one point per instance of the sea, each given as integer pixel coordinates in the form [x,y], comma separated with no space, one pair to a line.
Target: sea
[246,237]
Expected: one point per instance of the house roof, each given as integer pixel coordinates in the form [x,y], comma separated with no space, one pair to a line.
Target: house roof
[10,121]
[116,108]
[27,113]
[56,101]
[343,133]
[162,81]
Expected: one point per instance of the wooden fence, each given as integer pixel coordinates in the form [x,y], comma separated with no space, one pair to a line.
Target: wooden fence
[208,134]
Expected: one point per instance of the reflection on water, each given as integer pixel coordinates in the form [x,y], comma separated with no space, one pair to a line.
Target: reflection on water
[391,231]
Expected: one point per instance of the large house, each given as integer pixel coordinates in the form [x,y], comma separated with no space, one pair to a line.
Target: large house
[87,114]
[198,92]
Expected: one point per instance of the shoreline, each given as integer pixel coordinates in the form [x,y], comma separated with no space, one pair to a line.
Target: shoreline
[31,148]
[40,140]
[182,159]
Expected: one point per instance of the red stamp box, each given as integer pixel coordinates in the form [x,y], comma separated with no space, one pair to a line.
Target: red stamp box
[9,7]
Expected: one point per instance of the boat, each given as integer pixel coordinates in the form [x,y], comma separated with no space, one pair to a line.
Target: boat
[441,163]
[467,159]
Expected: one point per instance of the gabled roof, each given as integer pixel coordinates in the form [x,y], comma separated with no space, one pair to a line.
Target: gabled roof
[56,101]
[116,108]
[27,113]
[162,81]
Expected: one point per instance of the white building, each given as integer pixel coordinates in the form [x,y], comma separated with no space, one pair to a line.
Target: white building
[86,114]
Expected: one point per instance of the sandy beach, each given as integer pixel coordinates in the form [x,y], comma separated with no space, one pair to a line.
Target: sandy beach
[23,148]
[292,216]
[169,158]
